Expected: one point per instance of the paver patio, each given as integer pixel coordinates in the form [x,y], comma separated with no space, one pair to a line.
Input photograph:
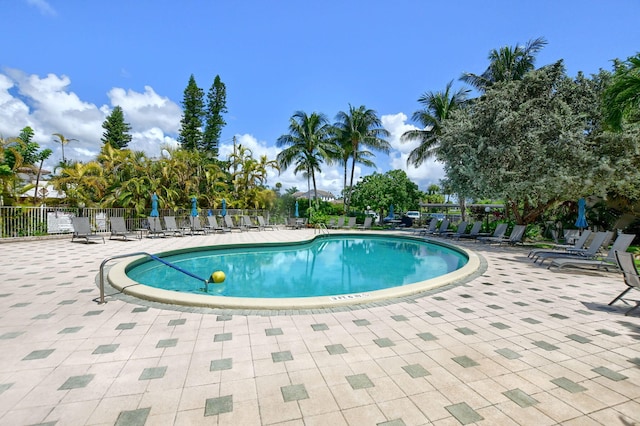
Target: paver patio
[517,345]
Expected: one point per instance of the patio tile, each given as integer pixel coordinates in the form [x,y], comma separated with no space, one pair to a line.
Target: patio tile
[360,381]
[153,373]
[545,345]
[281,356]
[521,398]
[464,413]
[336,349]
[319,327]
[294,393]
[361,322]
[508,353]
[219,405]
[499,325]
[394,422]
[105,349]
[384,342]
[579,339]
[167,343]
[568,385]
[134,417]
[221,364]
[609,374]
[426,336]
[465,361]
[223,337]
[39,354]
[179,321]
[77,382]
[273,332]
[126,326]
[415,370]
[70,330]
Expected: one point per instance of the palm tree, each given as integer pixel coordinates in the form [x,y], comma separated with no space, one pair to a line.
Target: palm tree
[308,143]
[506,64]
[363,128]
[438,106]
[63,141]
[622,96]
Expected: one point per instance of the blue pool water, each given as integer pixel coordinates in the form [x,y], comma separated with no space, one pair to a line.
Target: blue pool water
[332,265]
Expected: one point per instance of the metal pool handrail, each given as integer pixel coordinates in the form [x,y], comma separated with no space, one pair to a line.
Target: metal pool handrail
[101,300]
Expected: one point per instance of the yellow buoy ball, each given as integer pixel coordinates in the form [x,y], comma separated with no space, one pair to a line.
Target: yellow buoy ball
[217,277]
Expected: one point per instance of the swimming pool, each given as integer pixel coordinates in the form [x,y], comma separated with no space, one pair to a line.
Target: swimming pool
[325,271]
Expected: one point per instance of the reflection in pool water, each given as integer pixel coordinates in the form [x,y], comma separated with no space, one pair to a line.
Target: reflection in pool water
[325,266]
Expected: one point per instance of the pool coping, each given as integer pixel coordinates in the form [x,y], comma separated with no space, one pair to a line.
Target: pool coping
[119,280]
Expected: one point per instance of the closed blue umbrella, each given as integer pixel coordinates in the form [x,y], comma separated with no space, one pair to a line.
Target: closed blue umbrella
[391,212]
[224,207]
[296,214]
[582,218]
[154,206]
[194,207]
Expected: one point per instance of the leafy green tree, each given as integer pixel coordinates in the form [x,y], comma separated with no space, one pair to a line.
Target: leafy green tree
[525,141]
[190,135]
[308,145]
[116,129]
[621,100]
[216,106]
[363,128]
[506,64]
[379,191]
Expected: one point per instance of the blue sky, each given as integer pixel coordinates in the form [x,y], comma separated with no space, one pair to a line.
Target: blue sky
[66,63]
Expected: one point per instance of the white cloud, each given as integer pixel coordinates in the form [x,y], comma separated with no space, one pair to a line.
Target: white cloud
[43,6]
[429,172]
[48,106]
[148,109]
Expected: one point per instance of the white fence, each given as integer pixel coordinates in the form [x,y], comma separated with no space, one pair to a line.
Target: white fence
[22,222]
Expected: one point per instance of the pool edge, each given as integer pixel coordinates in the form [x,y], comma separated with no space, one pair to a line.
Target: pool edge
[118,279]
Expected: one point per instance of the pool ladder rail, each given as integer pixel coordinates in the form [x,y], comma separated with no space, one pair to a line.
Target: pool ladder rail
[321,228]
[101,300]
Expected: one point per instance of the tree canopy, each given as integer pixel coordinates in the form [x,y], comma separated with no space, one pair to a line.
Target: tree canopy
[525,141]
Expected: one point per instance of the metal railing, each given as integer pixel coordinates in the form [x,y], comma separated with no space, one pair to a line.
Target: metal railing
[101,300]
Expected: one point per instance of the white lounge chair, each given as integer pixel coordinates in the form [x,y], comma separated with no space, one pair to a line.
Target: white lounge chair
[263,224]
[247,224]
[213,224]
[119,229]
[590,252]
[622,242]
[82,230]
[367,223]
[627,265]
[170,226]
[498,233]
[228,221]
[559,248]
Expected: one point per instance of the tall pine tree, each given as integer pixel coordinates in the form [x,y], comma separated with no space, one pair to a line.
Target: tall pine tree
[190,136]
[116,129]
[216,106]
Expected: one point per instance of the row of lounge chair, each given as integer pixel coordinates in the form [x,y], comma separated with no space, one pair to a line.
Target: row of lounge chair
[196,226]
[497,237]
[591,250]
[163,227]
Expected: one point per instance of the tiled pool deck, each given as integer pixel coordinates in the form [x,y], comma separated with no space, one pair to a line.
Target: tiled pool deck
[517,345]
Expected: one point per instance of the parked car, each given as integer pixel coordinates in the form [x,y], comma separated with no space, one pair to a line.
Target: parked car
[415,215]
